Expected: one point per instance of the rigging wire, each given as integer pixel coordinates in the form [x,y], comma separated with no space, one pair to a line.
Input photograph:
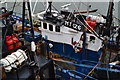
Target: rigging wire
[34,6]
[93,32]
[90,7]
[14,5]
[6,24]
[108,76]
[55,8]
[79,6]
[75,5]
[99,38]
[94,66]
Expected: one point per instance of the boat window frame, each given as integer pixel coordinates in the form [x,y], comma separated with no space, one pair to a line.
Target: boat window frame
[40,24]
[44,25]
[56,29]
[50,25]
[91,39]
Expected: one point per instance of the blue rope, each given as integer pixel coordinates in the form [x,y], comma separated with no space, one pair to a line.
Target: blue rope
[80,61]
[82,74]
[73,75]
[100,63]
[19,18]
[88,66]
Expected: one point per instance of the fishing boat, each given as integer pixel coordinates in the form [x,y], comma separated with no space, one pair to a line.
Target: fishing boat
[73,37]
[64,34]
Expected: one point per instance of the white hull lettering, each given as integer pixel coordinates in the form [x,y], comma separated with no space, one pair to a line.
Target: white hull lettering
[72,25]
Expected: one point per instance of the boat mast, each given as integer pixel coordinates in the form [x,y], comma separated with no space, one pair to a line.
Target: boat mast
[47,5]
[108,25]
[109,17]
[30,1]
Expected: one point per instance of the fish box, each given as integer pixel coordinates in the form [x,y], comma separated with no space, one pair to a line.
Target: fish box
[17,27]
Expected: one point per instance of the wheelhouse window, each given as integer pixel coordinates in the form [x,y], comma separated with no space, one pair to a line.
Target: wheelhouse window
[45,25]
[40,24]
[92,39]
[57,28]
[50,27]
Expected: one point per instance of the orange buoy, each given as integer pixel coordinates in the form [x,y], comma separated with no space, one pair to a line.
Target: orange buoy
[9,43]
[94,20]
[93,23]
[88,19]
[15,40]
[89,22]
